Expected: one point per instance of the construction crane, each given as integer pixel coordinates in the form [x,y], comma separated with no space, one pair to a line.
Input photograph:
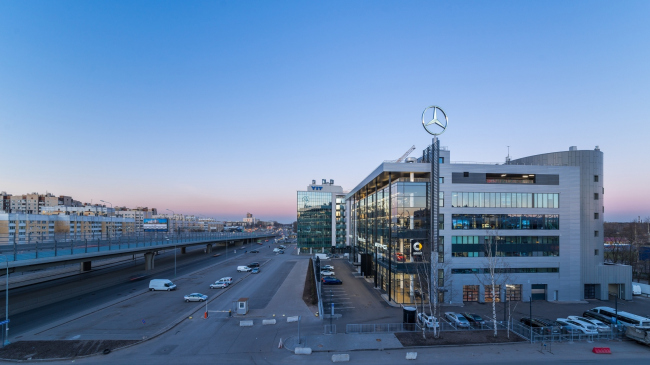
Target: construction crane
[405,155]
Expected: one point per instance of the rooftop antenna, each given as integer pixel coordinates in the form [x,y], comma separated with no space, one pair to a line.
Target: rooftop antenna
[508,157]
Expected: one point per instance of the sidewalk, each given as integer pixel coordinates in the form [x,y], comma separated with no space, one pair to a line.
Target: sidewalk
[345,342]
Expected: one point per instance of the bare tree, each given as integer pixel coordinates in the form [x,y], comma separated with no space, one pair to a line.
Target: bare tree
[494,271]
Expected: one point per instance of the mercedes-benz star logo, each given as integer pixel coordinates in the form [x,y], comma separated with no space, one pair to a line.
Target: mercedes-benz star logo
[434,126]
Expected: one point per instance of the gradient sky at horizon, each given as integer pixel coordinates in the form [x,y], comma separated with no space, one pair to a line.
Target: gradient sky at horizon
[219,108]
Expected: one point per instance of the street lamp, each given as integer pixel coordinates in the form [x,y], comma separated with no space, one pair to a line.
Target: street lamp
[173,219]
[6,342]
[107,213]
[173,214]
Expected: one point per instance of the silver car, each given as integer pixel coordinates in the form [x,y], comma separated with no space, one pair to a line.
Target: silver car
[195,297]
[219,285]
[457,319]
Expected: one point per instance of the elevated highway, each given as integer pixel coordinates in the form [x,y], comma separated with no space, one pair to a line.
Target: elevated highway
[31,256]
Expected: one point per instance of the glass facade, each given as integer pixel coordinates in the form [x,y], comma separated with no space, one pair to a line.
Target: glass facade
[504,200]
[507,246]
[505,221]
[390,227]
[314,229]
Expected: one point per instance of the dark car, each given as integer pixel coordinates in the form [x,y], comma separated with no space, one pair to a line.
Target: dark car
[254,264]
[331,281]
[255,251]
[474,319]
[281,252]
[544,326]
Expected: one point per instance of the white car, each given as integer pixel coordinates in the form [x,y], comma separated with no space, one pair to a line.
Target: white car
[243,269]
[584,327]
[219,285]
[327,273]
[276,250]
[457,319]
[328,267]
[602,327]
[227,279]
[195,297]
[428,321]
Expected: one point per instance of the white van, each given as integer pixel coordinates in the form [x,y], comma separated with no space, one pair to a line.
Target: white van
[226,279]
[636,289]
[321,256]
[161,284]
[243,268]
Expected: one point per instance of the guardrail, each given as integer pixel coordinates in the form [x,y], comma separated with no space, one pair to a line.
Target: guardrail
[66,245]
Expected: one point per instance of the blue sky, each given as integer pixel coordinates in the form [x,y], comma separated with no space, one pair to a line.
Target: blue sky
[222,108]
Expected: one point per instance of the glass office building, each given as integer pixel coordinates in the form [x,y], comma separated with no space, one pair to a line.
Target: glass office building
[321,219]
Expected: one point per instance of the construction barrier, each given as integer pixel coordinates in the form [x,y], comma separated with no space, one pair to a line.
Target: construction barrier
[411,355]
[292,319]
[340,357]
[602,350]
[302,351]
[268,321]
[245,323]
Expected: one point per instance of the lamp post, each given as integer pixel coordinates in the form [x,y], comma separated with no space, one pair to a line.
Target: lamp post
[6,300]
[173,214]
[173,218]
[107,213]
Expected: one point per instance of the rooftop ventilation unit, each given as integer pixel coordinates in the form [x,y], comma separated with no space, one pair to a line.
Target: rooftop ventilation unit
[411,160]
[573,148]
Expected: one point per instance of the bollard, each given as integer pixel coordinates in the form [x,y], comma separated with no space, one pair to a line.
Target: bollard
[302,351]
[268,321]
[411,355]
[340,357]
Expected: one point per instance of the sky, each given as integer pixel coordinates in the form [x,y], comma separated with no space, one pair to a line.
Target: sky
[219,108]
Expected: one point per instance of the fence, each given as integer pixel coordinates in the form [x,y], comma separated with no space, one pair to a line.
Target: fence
[558,334]
[381,328]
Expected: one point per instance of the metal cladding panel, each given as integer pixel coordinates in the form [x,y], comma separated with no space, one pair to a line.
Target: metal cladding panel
[472,178]
[547,179]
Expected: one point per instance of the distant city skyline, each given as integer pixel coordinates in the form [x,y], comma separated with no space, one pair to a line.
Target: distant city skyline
[223,108]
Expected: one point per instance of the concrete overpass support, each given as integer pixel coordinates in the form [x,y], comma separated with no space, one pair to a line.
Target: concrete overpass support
[183,250]
[148,260]
[85,266]
[208,248]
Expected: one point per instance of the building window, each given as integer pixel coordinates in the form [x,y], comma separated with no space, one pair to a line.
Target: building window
[441,221]
[596,252]
[488,293]
[465,174]
[595,215]
[441,160]
[441,198]
[513,292]
[441,180]
[595,196]
[595,178]
[470,293]
[595,233]
[441,249]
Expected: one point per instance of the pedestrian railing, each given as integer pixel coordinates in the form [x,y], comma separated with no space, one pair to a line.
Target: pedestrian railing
[330,329]
[555,334]
[381,328]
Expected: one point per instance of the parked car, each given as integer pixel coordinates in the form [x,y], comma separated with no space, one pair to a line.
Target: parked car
[276,250]
[328,267]
[428,321]
[255,251]
[219,285]
[331,281]
[457,319]
[545,326]
[474,319]
[400,257]
[583,327]
[253,264]
[195,297]
[327,273]
[256,270]
[566,327]
[602,327]
[282,246]
[243,269]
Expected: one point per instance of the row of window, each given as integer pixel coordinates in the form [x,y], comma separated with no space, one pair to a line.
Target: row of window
[504,200]
[471,293]
[505,221]
[507,240]
[509,270]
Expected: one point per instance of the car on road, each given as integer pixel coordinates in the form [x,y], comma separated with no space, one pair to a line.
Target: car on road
[327,273]
[219,285]
[602,327]
[243,269]
[161,284]
[253,264]
[281,252]
[457,319]
[227,279]
[255,251]
[428,321]
[474,319]
[328,267]
[331,281]
[137,277]
[195,297]
[276,250]
[256,270]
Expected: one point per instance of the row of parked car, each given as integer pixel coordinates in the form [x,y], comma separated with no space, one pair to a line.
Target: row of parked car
[327,276]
